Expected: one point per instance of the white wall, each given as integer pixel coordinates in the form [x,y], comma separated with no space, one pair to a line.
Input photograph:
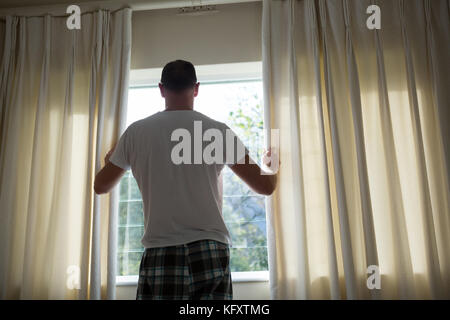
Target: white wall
[232,35]
[241,291]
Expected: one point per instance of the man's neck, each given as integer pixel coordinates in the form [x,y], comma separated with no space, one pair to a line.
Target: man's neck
[173,108]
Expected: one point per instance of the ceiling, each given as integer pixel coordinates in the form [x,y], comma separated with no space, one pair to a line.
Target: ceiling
[25,3]
[135,4]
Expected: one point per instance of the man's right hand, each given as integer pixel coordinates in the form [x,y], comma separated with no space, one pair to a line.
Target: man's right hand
[253,176]
[270,161]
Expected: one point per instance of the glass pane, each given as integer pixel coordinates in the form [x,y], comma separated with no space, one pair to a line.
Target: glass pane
[248,259]
[239,105]
[248,234]
[134,214]
[243,208]
[124,186]
[128,263]
[135,193]
[233,185]
[130,238]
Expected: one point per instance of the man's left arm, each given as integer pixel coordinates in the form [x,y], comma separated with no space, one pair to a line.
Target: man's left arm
[108,176]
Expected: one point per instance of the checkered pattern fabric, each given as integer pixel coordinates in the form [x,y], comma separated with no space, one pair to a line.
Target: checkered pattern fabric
[195,271]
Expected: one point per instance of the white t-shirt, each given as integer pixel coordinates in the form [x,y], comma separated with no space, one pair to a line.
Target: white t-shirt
[182,202]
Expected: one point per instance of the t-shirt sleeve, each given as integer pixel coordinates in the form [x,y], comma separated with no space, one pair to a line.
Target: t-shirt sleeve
[235,150]
[121,154]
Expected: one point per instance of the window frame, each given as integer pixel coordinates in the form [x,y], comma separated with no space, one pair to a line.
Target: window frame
[216,73]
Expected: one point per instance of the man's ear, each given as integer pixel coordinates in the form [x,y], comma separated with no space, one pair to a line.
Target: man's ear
[162,90]
[196,89]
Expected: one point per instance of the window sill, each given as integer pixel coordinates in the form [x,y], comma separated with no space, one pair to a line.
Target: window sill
[250,276]
[126,281]
[237,277]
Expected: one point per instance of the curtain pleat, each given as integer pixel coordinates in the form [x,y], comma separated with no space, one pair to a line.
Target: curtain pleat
[400,251]
[102,46]
[33,221]
[364,190]
[339,174]
[315,39]
[121,88]
[269,201]
[297,165]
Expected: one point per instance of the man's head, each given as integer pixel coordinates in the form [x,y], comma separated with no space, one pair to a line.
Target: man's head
[179,84]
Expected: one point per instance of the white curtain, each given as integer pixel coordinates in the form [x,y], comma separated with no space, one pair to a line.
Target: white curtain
[63,95]
[364,147]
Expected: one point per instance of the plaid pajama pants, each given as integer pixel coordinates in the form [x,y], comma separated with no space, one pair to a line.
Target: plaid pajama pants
[194,271]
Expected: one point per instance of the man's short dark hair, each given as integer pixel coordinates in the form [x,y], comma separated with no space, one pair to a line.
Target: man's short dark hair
[178,75]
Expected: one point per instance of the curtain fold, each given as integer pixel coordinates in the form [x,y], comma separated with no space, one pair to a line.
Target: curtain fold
[63,101]
[364,148]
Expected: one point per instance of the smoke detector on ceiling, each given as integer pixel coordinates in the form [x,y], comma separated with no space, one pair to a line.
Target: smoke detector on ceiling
[197,10]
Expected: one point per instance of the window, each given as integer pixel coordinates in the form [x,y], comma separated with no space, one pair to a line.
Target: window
[238,103]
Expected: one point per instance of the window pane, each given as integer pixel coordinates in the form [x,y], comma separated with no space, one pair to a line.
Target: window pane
[129,263]
[130,238]
[238,104]
[124,186]
[233,185]
[130,212]
[249,259]
[243,208]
